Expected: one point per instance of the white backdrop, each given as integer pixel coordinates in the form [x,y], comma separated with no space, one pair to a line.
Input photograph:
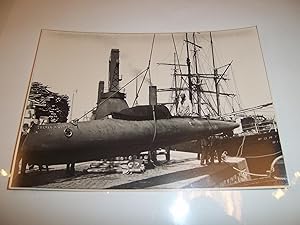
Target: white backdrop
[278,25]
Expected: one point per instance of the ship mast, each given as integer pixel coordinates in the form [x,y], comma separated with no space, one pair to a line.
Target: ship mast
[198,87]
[195,78]
[188,62]
[216,78]
[175,85]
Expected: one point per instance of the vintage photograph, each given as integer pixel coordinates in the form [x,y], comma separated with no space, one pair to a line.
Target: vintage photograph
[148,111]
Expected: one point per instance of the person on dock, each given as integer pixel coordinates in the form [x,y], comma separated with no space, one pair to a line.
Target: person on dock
[204,147]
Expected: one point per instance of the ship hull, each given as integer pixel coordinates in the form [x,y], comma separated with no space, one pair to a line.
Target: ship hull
[259,150]
[92,140]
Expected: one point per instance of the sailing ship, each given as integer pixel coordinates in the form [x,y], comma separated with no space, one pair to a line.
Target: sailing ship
[256,140]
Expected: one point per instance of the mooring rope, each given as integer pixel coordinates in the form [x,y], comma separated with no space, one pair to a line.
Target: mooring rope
[155,125]
[241,148]
[268,174]
[262,156]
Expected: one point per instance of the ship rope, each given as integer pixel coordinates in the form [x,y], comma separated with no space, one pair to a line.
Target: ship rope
[177,57]
[262,156]
[280,178]
[154,135]
[241,148]
[155,125]
[245,172]
[213,107]
[267,174]
[75,121]
[186,83]
[210,106]
[147,72]
[182,80]
[238,100]
[236,97]
[150,57]
[196,99]
[230,104]
[140,87]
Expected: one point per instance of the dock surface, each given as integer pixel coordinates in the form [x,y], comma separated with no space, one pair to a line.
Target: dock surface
[182,171]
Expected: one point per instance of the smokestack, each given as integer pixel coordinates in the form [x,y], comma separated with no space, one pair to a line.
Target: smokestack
[114,70]
[152,95]
[100,91]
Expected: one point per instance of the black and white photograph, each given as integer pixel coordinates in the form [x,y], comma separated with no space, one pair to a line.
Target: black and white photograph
[160,111]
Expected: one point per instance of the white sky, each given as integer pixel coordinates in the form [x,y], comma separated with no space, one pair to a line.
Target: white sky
[69,61]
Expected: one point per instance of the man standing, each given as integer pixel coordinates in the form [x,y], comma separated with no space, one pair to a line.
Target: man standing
[204,145]
[184,107]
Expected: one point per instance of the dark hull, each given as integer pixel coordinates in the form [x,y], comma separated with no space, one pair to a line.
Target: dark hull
[93,140]
[259,149]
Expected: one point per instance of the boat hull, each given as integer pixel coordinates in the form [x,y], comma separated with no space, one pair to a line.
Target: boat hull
[259,150]
[92,140]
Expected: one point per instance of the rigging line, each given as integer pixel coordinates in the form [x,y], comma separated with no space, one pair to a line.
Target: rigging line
[211,96]
[252,109]
[262,156]
[207,102]
[206,53]
[155,125]
[147,71]
[222,106]
[140,87]
[208,105]
[241,148]
[180,67]
[239,100]
[227,99]
[203,37]
[171,94]
[195,55]
[113,94]
[200,69]
[220,57]
[176,52]
[150,57]
[236,95]
[197,61]
[181,50]
[202,110]
[209,108]
[268,174]
[205,56]
[177,57]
